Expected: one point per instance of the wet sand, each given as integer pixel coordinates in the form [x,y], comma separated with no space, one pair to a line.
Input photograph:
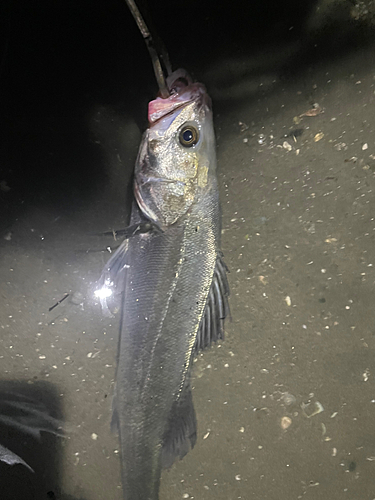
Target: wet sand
[286,404]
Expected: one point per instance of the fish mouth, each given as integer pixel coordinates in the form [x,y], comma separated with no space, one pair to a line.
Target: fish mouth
[183,91]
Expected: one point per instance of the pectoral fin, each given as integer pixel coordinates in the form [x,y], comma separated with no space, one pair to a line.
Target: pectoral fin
[134,229]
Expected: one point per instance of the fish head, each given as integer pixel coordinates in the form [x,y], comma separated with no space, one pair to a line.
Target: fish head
[177,153]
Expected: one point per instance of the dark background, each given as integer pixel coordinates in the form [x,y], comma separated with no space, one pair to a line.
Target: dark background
[60,59]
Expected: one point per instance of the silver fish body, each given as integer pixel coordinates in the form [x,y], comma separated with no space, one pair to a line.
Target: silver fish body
[175,288]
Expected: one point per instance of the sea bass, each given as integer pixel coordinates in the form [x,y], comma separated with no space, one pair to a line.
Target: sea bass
[175,290]
[27,416]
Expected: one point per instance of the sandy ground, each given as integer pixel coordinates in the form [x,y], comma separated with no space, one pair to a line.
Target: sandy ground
[286,404]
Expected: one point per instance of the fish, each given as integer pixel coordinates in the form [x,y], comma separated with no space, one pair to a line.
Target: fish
[174,283]
[9,457]
[27,416]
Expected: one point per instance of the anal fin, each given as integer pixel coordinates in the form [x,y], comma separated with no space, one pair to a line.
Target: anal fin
[181,434]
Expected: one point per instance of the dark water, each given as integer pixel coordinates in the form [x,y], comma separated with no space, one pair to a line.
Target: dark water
[298,237]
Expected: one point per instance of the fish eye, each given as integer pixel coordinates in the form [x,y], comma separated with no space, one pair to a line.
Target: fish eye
[189,136]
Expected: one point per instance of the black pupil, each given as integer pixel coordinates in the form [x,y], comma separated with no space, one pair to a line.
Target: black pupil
[187,135]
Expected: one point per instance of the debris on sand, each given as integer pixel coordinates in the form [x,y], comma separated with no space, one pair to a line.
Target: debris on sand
[285,422]
[316,408]
[314,111]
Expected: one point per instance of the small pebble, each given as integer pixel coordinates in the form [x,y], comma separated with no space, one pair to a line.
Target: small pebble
[285,422]
[288,398]
[77,298]
[94,436]
[261,139]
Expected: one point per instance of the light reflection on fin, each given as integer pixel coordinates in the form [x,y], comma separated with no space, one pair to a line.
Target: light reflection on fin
[11,458]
